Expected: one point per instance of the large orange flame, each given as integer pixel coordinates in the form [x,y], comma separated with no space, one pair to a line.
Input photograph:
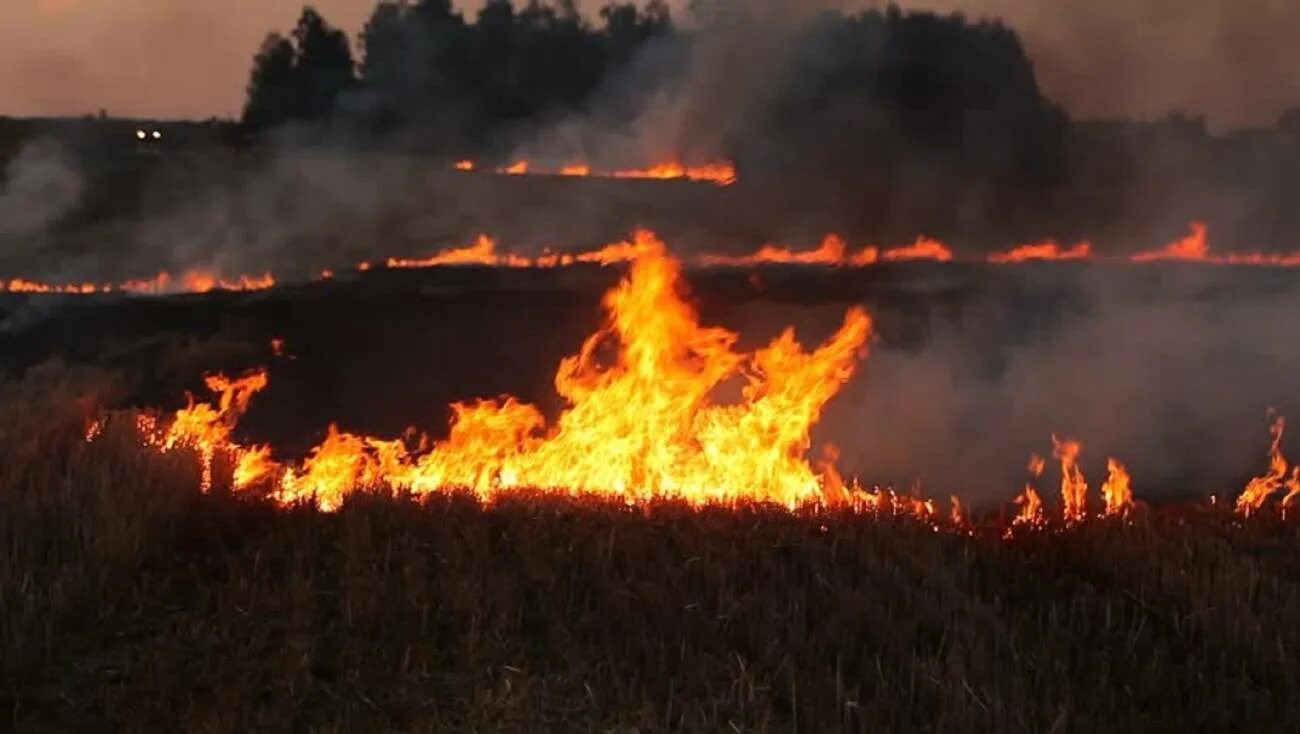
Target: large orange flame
[644,425]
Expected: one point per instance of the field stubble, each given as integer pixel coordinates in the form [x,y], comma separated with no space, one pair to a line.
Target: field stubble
[130,601]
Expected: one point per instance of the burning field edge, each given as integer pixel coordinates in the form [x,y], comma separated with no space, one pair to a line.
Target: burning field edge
[132,600]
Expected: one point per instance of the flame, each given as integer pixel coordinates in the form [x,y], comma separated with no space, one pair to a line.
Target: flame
[1259,489]
[1031,505]
[207,429]
[834,251]
[1194,247]
[1116,492]
[192,281]
[830,252]
[645,425]
[1049,250]
[923,249]
[1074,490]
[482,252]
[722,173]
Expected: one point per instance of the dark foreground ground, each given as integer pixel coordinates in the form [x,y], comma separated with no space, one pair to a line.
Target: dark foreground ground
[130,602]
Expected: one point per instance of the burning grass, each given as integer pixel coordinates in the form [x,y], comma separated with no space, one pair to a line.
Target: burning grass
[131,600]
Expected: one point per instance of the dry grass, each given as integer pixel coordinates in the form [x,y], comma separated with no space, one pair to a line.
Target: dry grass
[129,602]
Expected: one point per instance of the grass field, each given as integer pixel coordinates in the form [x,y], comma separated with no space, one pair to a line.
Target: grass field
[131,602]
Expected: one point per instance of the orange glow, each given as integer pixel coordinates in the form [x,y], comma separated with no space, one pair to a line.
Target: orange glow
[1194,247]
[575,169]
[194,281]
[923,249]
[518,168]
[464,165]
[1049,250]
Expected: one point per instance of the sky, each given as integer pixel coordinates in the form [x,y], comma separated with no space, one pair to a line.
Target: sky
[1229,59]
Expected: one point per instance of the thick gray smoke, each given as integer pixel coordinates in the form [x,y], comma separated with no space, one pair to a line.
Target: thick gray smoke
[1174,376]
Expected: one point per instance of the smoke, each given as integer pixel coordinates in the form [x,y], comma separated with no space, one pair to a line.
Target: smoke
[37,186]
[1174,375]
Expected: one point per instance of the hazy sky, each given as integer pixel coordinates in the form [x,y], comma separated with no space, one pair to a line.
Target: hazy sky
[1231,59]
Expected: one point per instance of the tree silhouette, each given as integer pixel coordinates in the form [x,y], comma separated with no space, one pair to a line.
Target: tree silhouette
[299,78]
[271,87]
[324,68]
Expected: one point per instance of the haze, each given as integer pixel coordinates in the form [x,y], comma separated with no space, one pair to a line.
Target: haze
[1228,59]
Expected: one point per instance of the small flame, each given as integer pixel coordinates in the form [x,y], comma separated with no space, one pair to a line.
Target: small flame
[1049,250]
[923,249]
[1074,490]
[1116,492]
[1259,489]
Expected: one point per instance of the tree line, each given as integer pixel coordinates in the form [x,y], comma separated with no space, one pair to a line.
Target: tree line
[884,86]
[424,64]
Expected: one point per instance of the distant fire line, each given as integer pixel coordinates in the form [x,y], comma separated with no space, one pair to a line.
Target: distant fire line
[832,252]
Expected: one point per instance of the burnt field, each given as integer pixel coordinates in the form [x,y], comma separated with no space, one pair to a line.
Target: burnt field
[131,601]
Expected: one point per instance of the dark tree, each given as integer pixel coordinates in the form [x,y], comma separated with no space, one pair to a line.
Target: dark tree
[324,68]
[299,78]
[271,87]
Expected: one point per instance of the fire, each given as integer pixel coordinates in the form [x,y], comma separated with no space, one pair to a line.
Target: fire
[1259,489]
[644,425]
[923,249]
[1074,490]
[207,429]
[1049,250]
[482,252]
[1116,492]
[831,252]
[834,251]
[1031,505]
[192,281]
[721,173]
[1194,247]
